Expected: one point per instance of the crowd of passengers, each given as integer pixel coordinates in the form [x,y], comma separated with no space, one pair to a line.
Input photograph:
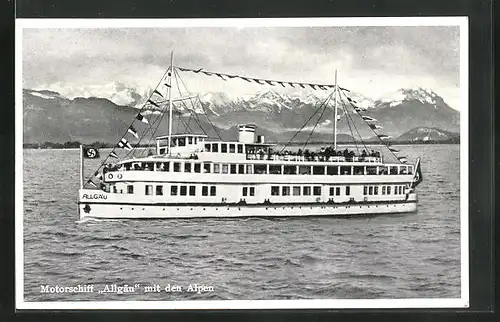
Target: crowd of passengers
[323,155]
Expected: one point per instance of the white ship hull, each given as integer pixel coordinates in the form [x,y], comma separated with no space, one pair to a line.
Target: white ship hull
[164,211]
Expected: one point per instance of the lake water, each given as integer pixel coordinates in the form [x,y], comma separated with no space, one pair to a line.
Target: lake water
[413,255]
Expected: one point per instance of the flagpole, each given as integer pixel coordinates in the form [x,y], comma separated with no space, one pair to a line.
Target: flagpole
[335,118]
[170,104]
[81,166]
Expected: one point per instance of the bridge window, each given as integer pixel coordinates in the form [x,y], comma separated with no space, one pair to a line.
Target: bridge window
[206,167]
[190,140]
[223,148]
[130,189]
[285,191]
[290,169]
[249,169]
[304,169]
[252,191]
[410,169]
[182,142]
[371,170]
[216,168]
[347,190]
[232,148]
[234,168]
[275,169]
[345,170]
[197,167]
[383,190]
[159,190]
[204,191]
[317,190]
[375,190]
[162,150]
[260,168]
[208,147]
[114,189]
[275,191]
[388,190]
[215,147]
[224,168]
[173,190]
[213,190]
[370,190]
[245,191]
[365,190]
[306,191]
[148,190]
[240,148]
[187,167]
[402,170]
[332,191]
[319,170]
[241,168]
[296,191]
[183,191]
[177,167]
[393,170]
[383,170]
[332,170]
[358,170]
[192,190]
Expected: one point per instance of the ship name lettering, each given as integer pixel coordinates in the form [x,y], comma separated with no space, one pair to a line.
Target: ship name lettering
[94,196]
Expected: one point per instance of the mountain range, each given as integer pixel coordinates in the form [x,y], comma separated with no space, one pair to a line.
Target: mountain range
[408,115]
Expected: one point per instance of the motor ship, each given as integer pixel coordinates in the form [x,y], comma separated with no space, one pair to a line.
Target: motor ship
[190,175]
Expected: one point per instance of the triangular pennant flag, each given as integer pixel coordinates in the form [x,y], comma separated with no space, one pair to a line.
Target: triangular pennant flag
[403,159]
[322,87]
[291,84]
[185,69]
[246,79]
[257,81]
[207,73]
[351,100]
[359,109]
[281,83]
[369,119]
[220,75]
[96,173]
[301,85]
[393,150]
[232,76]
[344,89]
[113,155]
[168,85]
[132,131]
[153,103]
[157,93]
[91,183]
[141,118]
[383,136]
[197,71]
[375,126]
[312,86]
[269,82]
[124,144]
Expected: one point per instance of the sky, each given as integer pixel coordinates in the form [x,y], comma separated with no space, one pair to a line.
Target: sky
[123,64]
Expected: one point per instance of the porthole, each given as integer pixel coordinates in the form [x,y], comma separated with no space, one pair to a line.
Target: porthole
[177,208]
[191,208]
[163,209]
[203,208]
[121,208]
[143,209]
[132,208]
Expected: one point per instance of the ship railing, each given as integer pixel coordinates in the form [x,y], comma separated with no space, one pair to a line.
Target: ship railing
[316,158]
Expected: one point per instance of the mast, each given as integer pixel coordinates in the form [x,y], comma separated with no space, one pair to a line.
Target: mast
[170,103]
[335,117]
[81,166]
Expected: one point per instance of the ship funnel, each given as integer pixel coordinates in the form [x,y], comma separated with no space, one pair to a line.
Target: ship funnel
[246,133]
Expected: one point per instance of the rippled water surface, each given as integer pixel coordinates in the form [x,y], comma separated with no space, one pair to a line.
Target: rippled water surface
[390,256]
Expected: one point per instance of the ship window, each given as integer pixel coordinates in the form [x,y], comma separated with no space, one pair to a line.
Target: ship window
[371,170]
[208,147]
[252,191]
[393,170]
[347,190]
[148,190]
[370,190]
[212,190]
[162,150]
[296,191]
[183,191]
[337,191]
[383,190]
[240,148]
[234,168]
[290,169]
[130,189]
[187,167]
[206,167]
[241,168]
[197,167]
[285,191]
[149,166]
[319,170]
[388,190]
[114,189]
[365,190]
[223,148]
[304,169]
[190,140]
[215,147]
[375,190]
[331,170]
[260,168]
[275,191]
[224,168]
[359,170]
[245,190]
[382,170]
[402,170]
[204,191]
[346,170]
[177,167]
[306,191]
[275,169]
[249,169]
[216,168]
[173,190]
[182,142]
[332,191]
[192,190]
[317,190]
[159,190]
[232,148]
[121,190]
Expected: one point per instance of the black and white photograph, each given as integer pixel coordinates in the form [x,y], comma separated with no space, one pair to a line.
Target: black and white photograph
[242,163]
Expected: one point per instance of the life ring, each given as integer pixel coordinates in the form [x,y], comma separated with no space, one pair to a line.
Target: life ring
[119,176]
[110,176]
